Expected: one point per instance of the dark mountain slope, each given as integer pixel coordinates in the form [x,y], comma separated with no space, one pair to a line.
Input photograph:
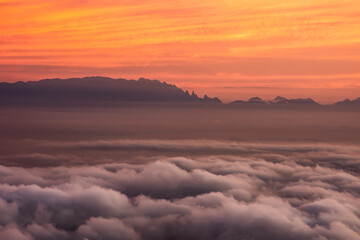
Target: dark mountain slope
[277,101]
[347,102]
[94,90]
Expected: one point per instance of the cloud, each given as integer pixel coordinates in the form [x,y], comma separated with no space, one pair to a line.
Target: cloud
[259,192]
[9,211]
[111,229]
[199,146]
[34,159]
[329,155]
[210,38]
[11,231]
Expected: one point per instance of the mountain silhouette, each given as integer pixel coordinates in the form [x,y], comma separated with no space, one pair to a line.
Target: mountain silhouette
[282,100]
[256,100]
[94,90]
[253,100]
[277,100]
[348,102]
[104,91]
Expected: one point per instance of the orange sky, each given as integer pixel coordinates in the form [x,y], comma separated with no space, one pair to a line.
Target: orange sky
[229,48]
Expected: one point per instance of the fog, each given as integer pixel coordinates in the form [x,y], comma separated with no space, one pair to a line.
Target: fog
[177,122]
[259,192]
[179,173]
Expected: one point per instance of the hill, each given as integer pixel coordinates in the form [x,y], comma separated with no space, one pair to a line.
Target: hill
[94,90]
[277,101]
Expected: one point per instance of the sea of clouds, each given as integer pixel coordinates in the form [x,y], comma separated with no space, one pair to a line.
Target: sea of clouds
[222,190]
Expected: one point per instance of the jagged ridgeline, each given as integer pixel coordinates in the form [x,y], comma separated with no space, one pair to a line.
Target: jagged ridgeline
[282,102]
[349,102]
[93,90]
[276,101]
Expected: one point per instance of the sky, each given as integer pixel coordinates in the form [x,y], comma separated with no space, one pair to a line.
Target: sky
[226,48]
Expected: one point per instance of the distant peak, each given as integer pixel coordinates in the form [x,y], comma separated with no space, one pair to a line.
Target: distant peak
[349,102]
[193,94]
[211,100]
[280,98]
[255,99]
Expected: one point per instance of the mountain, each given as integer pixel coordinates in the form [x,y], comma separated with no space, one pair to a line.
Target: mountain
[256,100]
[347,102]
[276,101]
[282,100]
[279,99]
[253,100]
[94,90]
[104,91]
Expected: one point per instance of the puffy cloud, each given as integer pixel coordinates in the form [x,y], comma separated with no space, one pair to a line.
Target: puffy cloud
[262,192]
[46,232]
[109,229]
[8,212]
[11,231]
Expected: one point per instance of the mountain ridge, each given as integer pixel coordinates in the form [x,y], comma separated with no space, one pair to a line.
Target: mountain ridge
[98,90]
[276,101]
[349,102]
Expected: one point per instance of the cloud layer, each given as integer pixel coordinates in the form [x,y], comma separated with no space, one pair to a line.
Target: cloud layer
[270,192]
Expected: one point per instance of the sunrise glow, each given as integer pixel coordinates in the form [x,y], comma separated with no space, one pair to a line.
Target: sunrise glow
[210,46]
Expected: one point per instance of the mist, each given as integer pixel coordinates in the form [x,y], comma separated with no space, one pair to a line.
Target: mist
[258,192]
[178,172]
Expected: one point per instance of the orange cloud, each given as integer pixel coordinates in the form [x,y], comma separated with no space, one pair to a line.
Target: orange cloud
[298,44]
